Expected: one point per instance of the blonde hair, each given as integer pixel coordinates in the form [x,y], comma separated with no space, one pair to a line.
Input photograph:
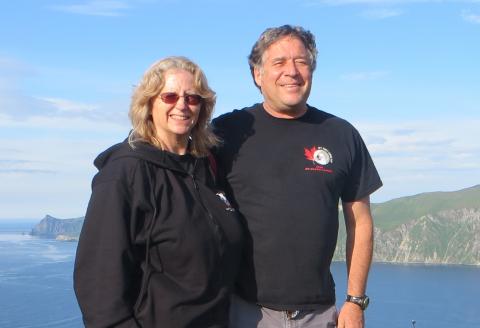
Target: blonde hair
[143,129]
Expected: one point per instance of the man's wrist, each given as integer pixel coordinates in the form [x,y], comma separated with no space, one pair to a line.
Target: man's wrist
[361,301]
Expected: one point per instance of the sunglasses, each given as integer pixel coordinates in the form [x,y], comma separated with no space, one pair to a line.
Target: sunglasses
[172,98]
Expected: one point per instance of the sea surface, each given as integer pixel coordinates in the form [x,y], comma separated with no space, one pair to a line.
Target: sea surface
[36,287]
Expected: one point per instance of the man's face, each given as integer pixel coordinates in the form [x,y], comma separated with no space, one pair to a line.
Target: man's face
[285,78]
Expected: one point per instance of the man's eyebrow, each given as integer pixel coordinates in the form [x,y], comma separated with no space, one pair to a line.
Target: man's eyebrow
[279,58]
[283,58]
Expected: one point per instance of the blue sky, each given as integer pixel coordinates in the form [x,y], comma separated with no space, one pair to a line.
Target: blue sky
[405,73]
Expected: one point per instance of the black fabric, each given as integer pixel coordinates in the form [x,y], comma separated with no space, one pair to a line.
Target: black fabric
[146,197]
[288,201]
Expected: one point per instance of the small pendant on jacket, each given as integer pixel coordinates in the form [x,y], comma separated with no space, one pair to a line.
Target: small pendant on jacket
[224,199]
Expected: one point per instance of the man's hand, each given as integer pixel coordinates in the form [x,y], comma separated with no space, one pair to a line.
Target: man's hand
[351,316]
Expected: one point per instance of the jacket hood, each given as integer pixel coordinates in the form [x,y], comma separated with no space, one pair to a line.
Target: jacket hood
[147,152]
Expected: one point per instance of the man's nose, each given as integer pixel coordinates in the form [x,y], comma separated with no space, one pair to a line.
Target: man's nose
[291,68]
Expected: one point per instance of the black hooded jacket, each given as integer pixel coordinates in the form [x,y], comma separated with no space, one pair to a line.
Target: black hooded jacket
[158,247]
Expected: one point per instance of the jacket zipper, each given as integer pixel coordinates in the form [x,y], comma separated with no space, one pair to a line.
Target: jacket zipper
[213,222]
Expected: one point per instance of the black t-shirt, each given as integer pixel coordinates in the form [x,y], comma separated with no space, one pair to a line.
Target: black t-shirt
[286,176]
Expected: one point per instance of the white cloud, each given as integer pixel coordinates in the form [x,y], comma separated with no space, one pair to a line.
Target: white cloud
[421,156]
[13,67]
[360,2]
[15,104]
[381,2]
[350,2]
[49,168]
[13,166]
[54,124]
[96,8]
[471,17]
[364,76]
[68,106]
[12,101]
[379,9]
[381,13]
[47,145]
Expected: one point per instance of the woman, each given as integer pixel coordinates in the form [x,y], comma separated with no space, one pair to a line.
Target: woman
[159,247]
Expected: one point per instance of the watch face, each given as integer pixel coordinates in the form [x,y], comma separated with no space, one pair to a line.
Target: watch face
[366,301]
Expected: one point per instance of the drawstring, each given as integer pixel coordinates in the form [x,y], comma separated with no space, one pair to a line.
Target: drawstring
[153,199]
[151,225]
[213,167]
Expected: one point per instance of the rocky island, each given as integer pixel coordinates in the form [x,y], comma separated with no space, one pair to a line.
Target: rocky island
[60,229]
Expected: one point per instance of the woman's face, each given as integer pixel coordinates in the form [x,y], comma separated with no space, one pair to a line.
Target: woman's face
[176,114]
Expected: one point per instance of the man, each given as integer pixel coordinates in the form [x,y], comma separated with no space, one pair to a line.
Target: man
[287,165]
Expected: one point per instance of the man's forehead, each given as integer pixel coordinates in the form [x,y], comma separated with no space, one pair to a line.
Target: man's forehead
[285,47]
[284,54]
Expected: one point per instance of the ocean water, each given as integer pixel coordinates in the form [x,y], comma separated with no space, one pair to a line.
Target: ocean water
[36,287]
[434,296]
[35,279]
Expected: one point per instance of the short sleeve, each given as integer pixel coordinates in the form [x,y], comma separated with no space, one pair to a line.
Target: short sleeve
[363,178]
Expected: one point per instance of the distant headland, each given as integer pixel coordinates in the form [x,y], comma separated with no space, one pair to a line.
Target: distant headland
[60,229]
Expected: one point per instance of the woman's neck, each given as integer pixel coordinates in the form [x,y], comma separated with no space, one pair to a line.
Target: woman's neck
[176,144]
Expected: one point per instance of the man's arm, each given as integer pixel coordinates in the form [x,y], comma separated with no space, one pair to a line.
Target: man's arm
[359,226]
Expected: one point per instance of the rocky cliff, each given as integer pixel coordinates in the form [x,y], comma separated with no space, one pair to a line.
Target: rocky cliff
[447,237]
[61,229]
[439,228]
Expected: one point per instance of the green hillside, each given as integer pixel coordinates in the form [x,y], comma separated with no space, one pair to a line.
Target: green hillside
[436,227]
[392,214]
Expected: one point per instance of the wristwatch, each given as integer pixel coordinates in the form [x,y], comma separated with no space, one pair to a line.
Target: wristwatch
[361,301]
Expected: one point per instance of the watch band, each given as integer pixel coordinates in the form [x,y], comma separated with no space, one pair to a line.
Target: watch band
[361,301]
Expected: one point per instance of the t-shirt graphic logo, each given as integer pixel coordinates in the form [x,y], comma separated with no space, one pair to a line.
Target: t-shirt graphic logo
[320,157]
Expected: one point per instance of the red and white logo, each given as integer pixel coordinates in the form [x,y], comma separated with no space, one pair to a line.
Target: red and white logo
[320,158]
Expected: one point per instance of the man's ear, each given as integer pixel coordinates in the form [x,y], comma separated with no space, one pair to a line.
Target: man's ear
[257,75]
